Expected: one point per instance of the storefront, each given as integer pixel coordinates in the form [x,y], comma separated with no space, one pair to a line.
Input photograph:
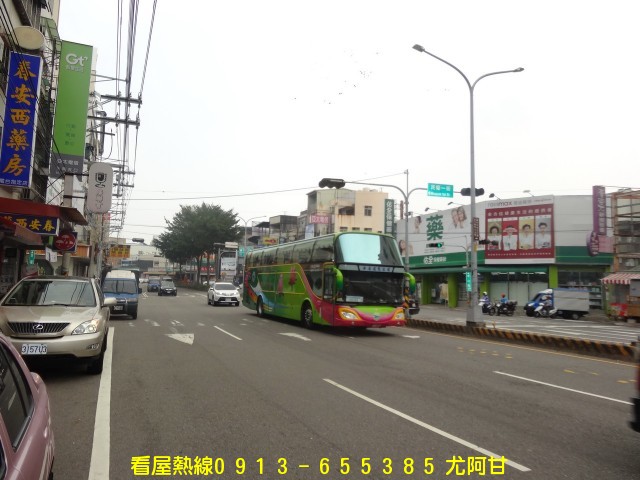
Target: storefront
[27,228]
[529,244]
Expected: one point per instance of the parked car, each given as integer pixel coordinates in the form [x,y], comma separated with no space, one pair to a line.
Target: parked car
[56,316]
[153,284]
[223,293]
[27,446]
[167,287]
[123,286]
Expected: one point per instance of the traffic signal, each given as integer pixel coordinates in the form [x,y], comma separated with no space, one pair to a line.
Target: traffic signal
[436,244]
[466,192]
[331,183]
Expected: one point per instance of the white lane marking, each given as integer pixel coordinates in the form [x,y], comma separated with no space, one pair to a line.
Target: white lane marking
[181,337]
[230,334]
[563,388]
[100,451]
[411,336]
[200,324]
[177,323]
[296,335]
[422,424]
[153,323]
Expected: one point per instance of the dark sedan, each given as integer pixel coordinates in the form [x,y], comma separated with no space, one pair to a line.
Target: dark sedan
[167,287]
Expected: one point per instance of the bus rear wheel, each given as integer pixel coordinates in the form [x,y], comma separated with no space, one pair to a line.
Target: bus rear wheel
[307,316]
[260,308]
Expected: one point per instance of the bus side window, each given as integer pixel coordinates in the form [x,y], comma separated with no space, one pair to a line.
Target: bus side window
[323,250]
[302,253]
[284,255]
[329,281]
[315,279]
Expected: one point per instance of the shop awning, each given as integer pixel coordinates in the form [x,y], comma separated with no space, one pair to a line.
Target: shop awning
[18,234]
[24,207]
[621,278]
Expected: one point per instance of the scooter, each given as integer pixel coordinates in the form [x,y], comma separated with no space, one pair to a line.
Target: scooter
[545,312]
[488,308]
[507,308]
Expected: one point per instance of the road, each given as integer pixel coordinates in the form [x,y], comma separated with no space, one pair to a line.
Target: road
[188,382]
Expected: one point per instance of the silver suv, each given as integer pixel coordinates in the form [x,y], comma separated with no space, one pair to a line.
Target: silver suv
[54,316]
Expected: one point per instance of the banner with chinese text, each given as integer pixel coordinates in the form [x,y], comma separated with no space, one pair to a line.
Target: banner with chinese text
[18,135]
[71,109]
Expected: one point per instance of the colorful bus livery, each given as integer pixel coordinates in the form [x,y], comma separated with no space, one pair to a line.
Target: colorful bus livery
[348,279]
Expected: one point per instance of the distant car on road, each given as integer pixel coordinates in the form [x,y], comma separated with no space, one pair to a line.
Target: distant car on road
[223,293]
[123,286]
[153,284]
[56,316]
[27,446]
[167,287]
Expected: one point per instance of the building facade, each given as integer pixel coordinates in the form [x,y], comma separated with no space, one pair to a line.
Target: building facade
[530,244]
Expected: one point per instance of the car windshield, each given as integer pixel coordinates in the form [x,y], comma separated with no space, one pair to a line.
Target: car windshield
[154,281]
[167,284]
[224,286]
[112,285]
[74,293]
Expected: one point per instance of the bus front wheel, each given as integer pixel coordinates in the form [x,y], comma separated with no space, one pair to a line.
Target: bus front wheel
[307,316]
[260,308]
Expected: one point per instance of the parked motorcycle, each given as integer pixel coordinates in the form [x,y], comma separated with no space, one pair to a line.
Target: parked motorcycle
[506,308]
[488,308]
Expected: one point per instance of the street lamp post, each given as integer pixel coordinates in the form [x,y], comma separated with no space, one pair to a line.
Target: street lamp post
[473,313]
[245,234]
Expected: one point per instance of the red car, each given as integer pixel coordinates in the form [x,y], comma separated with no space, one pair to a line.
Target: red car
[27,445]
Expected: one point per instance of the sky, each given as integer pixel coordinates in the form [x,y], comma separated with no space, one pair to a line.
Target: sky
[248,104]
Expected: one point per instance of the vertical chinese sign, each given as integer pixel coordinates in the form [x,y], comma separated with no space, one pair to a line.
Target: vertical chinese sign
[71,109]
[389,217]
[20,120]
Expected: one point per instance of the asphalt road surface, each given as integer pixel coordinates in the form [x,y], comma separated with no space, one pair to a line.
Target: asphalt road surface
[189,387]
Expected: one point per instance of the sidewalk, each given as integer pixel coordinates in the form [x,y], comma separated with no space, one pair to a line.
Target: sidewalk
[434,312]
[444,319]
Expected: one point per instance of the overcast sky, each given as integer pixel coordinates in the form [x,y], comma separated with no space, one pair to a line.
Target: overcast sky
[244,98]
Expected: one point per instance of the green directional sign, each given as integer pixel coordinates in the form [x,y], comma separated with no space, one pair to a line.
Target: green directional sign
[467,277]
[439,190]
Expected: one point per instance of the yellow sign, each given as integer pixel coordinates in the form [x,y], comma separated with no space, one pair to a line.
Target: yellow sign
[120,251]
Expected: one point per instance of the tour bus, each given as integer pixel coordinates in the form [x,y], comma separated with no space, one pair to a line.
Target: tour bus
[346,279]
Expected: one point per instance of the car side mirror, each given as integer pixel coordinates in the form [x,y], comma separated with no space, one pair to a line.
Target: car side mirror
[110,301]
[139,289]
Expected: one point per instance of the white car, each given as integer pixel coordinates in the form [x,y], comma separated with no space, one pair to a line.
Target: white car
[223,293]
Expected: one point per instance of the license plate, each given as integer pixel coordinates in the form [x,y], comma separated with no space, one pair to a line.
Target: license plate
[33,349]
[118,307]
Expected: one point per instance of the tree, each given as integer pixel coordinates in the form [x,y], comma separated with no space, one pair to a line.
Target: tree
[196,231]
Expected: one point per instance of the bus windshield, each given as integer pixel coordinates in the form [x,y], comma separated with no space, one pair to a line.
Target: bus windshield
[368,249]
[365,288]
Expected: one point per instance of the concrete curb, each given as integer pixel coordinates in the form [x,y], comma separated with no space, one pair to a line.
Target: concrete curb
[614,351]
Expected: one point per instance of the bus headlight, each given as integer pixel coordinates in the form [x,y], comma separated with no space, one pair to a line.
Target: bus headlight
[399,315]
[348,314]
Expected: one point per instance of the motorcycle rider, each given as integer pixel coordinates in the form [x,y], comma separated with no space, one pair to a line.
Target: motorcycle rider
[503,299]
[485,303]
[547,304]
[485,300]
